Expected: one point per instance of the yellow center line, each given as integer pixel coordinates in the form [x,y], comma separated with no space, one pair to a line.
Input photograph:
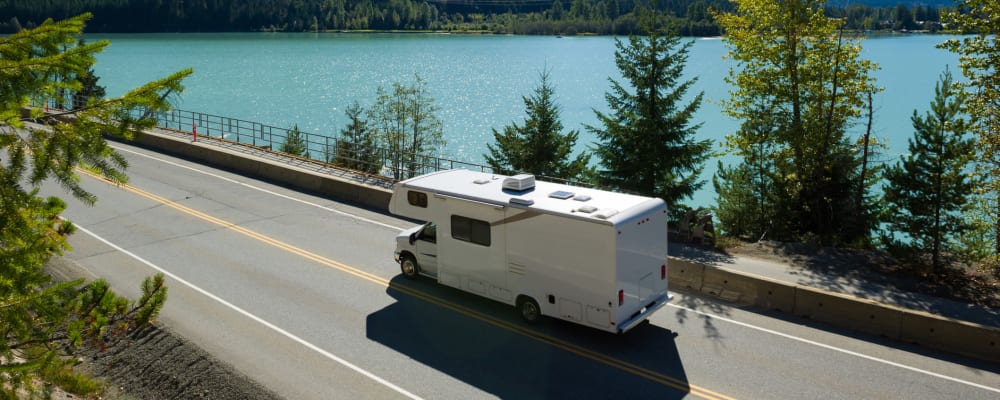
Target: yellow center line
[634,369]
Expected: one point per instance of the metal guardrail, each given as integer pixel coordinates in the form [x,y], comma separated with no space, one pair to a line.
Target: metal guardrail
[326,150]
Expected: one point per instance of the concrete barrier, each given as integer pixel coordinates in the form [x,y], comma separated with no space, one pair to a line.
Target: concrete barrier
[961,337]
[367,195]
[684,274]
[848,312]
[836,309]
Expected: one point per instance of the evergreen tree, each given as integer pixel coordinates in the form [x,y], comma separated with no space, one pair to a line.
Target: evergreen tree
[746,199]
[928,190]
[646,144]
[356,148]
[979,53]
[295,143]
[794,71]
[538,147]
[42,322]
[89,89]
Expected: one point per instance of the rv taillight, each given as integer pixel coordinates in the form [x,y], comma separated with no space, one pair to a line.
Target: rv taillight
[663,272]
[621,297]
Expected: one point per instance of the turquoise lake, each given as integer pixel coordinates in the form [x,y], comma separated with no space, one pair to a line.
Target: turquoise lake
[478,81]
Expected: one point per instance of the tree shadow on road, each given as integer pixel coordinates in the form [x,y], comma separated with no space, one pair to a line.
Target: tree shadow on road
[482,343]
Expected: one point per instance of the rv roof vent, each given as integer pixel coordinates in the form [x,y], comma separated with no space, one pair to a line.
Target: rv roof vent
[561,194]
[519,182]
[521,201]
[606,213]
[582,197]
[481,181]
[587,209]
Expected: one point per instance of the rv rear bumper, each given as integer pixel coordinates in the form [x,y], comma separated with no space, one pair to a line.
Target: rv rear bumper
[645,313]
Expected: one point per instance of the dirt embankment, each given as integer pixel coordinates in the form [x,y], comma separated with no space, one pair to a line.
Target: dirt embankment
[155,364]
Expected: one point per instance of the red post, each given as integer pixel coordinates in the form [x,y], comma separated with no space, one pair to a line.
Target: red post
[194,130]
[46,105]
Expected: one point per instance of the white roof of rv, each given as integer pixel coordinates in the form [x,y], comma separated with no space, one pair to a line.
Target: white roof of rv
[547,197]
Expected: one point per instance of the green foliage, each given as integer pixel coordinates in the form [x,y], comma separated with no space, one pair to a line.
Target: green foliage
[979,54]
[616,17]
[356,147]
[539,146]
[42,321]
[927,191]
[406,123]
[646,144]
[798,87]
[295,143]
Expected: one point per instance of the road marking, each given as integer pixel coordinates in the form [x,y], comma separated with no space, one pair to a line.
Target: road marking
[260,189]
[807,341]
[838,349]
[654,376]
[273,327]
[447,305]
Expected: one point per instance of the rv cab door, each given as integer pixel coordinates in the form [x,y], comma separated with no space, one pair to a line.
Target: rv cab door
[426,249]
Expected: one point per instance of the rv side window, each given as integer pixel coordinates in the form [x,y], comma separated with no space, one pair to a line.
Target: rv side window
[417,199]
[470,230]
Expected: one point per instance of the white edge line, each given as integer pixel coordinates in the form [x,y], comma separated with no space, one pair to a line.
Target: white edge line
[359,218]
[834,348]
[333,210]
[273,327]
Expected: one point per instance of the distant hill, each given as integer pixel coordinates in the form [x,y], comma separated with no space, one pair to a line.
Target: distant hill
[893,3]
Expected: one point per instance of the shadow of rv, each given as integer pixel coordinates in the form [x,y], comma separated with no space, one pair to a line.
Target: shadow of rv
[483,343]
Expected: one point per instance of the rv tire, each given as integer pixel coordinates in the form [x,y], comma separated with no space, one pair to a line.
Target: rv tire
[528,308]
[409,266]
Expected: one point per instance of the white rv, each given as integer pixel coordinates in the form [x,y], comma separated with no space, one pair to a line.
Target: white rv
[588,256]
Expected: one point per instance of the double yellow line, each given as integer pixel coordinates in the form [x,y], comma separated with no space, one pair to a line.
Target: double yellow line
[646,373]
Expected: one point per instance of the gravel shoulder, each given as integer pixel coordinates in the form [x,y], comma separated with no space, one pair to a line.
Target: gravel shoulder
[155,363]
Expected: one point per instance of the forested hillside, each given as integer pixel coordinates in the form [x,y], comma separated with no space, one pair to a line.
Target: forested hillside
[567,17]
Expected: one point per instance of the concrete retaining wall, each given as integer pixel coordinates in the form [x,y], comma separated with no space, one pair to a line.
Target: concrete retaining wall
[840,310]
[836,309]
[334,187]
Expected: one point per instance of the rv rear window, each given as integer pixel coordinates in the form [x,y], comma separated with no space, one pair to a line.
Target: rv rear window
[470,230]
[417,199]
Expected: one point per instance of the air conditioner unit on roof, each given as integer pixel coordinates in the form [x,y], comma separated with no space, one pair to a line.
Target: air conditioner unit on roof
[519,182]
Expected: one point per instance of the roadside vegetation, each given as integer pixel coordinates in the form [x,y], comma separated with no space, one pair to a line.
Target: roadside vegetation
[524,17]
[44,323]
[808,169]
[804,170]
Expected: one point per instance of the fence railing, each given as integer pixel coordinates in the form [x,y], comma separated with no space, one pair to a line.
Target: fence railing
[328,149]
[331,150]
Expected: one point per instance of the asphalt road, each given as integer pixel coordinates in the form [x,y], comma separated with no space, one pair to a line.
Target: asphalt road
[301,294]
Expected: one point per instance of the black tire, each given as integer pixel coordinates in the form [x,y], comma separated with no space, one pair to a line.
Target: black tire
[528,308]
[409,266]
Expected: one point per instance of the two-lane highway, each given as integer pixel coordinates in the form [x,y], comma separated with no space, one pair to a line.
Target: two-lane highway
[301,294]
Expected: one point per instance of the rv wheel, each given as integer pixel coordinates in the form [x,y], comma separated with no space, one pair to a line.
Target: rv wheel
[529,310]
[409,267]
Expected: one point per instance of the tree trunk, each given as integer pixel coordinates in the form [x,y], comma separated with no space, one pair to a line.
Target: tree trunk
[862,215]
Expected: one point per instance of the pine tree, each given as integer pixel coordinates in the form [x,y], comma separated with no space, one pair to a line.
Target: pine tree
[538,147]
[928,190]
[294,143]
[747,198]
[89,89]
[646,144]
[356,148]
[42,322]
